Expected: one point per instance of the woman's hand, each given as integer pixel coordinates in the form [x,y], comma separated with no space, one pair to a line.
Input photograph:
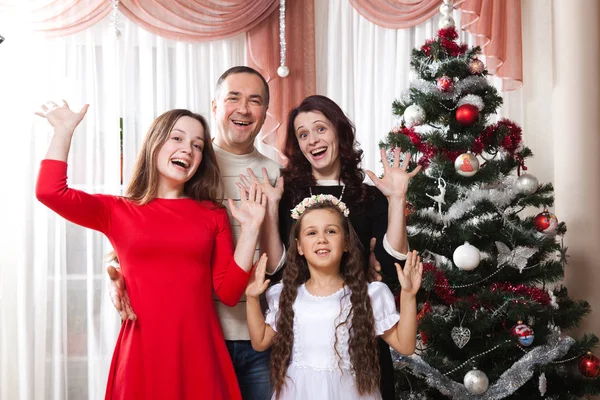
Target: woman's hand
[394,183]
[251,212]
[273,193]
[257,283]
[62,118]
[410,278]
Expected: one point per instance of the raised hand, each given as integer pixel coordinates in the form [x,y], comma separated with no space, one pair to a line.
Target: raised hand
[394,183]
[118,294]
[257,283]
[410,278]
[62,118]
[251,212]
[273,193]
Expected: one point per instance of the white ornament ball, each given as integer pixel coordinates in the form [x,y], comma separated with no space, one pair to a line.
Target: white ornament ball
[446,9]
[414,115]
[466,257]
[466,164]
[476,381]
[527,184]
[446,22]
[283,71]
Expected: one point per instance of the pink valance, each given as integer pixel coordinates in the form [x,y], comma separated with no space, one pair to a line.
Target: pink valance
[263,55]
[65,17]
[396,14]
[495,23]
[497,26]
[197,20]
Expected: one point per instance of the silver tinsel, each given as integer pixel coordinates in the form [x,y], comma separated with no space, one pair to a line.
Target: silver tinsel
[517,257]
[472,99]
[509,382]
[467,85]
[542,384]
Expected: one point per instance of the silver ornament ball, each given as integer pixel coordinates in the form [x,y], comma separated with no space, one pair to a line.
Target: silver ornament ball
[476,381]
[446,22]
[283,71]
[414,115]
[527,184]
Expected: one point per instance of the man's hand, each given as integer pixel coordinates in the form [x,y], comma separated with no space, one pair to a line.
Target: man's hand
[118,294]
[374,266]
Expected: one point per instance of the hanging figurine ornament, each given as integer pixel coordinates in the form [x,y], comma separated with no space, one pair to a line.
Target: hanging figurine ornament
[283,70]
[466,164]
[446,21]
[414,115]
[546,222]
[527,184]
[439,198]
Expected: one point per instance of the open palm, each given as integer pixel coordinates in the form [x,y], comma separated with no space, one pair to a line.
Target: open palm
[251,211]
[411,276]
[394,183]
[61,117]
[257,283]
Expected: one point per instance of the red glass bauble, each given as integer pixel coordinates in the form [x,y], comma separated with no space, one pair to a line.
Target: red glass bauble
[445,84]
[467,114]
[589,366]
[545,222]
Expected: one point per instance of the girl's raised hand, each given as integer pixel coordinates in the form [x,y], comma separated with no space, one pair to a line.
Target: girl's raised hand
[62,118]
[257,283]
[410,278]
[251,212]
[394,183]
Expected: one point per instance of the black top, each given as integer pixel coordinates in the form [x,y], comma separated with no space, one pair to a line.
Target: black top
[369,219]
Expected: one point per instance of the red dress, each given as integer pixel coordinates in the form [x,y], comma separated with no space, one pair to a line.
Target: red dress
[173,254]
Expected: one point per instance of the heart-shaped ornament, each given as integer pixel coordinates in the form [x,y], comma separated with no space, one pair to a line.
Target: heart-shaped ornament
[460,336]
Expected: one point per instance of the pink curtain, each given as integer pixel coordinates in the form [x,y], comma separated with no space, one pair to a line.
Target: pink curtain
[197,20]
[66,17]
[396,14]
[263,55]
[495,23]
[497,26]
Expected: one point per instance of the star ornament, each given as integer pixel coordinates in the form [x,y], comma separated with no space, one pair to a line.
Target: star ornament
[515,258]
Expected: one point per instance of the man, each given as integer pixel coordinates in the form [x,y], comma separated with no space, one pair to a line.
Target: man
[239,107]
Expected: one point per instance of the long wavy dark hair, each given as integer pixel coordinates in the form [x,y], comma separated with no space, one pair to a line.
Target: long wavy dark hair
[362,343]
[298,175]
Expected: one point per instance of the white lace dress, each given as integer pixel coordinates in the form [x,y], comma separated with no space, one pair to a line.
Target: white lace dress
[314,371]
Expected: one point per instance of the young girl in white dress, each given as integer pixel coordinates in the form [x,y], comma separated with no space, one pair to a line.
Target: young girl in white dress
[324,317]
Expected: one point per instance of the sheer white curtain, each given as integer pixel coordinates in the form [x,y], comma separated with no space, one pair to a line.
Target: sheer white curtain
[364,68]
[57,325]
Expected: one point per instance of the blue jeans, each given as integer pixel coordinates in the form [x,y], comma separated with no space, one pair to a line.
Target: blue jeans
[251,368]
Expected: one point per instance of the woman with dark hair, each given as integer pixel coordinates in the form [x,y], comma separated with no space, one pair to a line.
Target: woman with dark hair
[170,220]
[324,158]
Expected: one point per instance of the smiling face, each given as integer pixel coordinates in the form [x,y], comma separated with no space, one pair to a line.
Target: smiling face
[181,154]
[319,143]
[321,239]
[240,108]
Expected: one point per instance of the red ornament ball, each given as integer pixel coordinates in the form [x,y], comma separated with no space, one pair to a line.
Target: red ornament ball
[546,222]
[524,333]
[589,366]
[467,114]
[476,66]
[445,84]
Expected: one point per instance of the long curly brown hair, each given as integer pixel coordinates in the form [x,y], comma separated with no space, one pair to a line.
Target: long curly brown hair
[298,175]
[362,343]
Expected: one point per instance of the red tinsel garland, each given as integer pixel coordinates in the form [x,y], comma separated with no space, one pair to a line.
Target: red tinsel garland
[510,142]
[441,288]
[535,294]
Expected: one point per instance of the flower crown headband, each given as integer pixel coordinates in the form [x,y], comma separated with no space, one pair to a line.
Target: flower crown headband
[319,198]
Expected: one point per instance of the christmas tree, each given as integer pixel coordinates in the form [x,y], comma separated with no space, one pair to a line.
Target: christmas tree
[492,311]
